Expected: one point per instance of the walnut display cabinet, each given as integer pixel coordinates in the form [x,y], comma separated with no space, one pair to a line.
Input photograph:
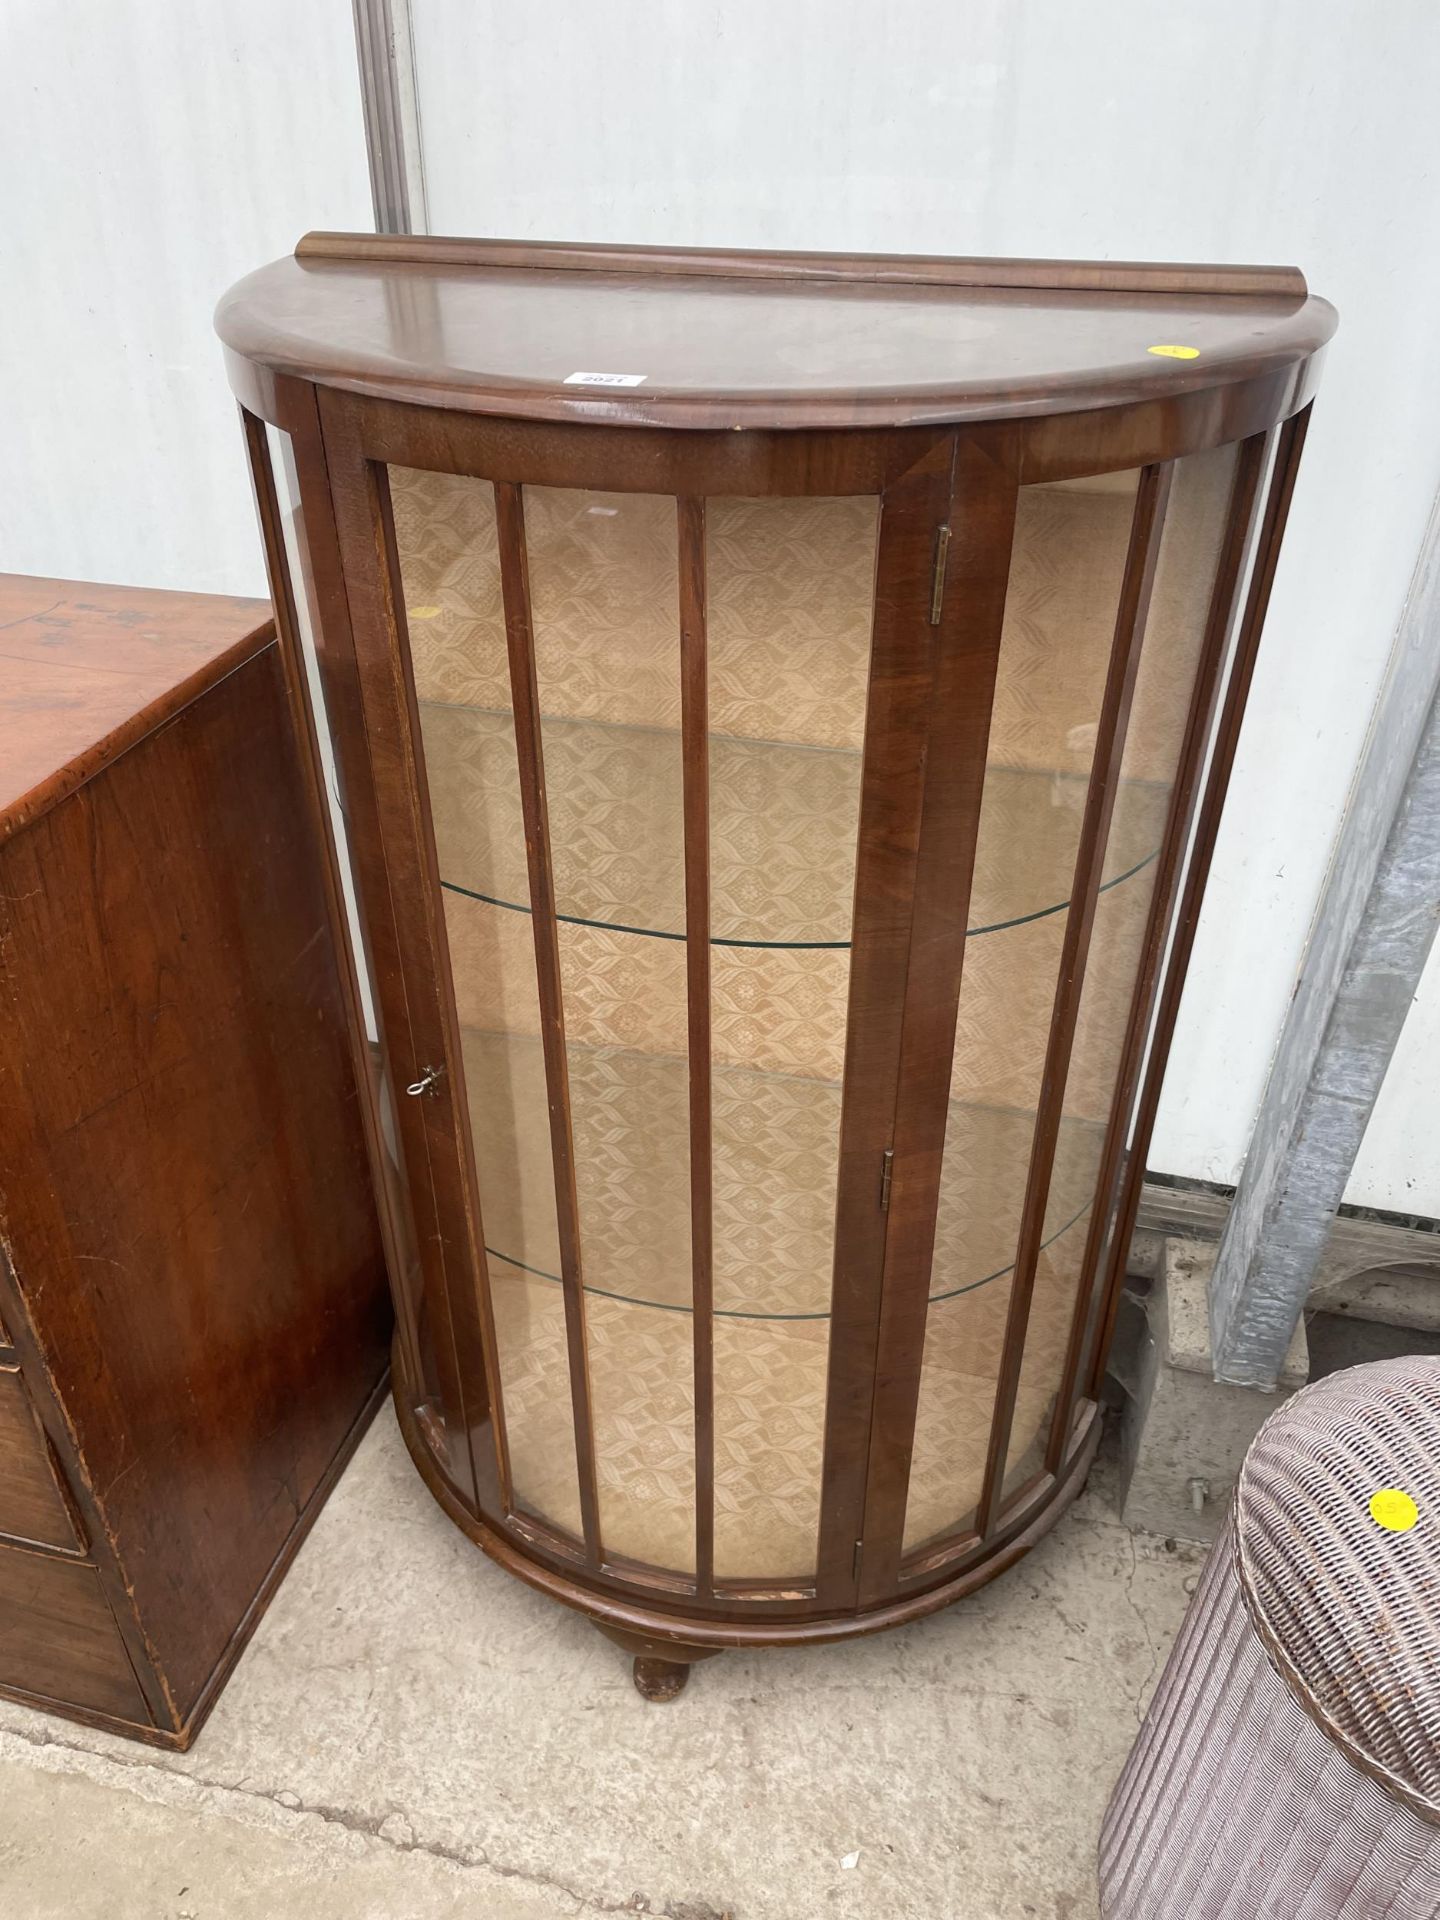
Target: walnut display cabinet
[772,698]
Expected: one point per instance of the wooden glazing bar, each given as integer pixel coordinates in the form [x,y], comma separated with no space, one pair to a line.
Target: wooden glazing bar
[695,752]
[525,701]
[357,636]
[1139,578]
[934,270]
[621,1572]
[966,657]
[902,656]
[1207,829]
[1225,596]
[307,729]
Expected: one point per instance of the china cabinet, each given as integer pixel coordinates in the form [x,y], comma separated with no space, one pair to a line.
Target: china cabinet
[771,697]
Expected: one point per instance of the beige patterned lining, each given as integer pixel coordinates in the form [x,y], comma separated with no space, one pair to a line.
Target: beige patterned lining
[790,587]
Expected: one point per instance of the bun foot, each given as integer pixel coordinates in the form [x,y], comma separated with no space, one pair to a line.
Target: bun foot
[661,1666]
[659,1679]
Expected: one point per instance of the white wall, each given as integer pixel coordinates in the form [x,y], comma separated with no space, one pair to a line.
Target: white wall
[1294,130]
[152,152]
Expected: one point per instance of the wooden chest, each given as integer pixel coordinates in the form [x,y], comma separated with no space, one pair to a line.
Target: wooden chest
[192,1291]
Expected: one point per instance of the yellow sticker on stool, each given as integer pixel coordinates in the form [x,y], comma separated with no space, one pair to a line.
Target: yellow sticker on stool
[1393,1510]
[1176,353]
[424,613]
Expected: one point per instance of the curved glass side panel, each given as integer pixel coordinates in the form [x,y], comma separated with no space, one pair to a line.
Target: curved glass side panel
[408,1281]
[1066,570]
[445,536]
[1190,546]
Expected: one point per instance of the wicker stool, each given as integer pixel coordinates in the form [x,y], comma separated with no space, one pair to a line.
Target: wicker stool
[1289,1766]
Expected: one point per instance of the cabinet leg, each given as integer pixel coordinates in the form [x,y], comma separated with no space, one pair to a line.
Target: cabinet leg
[659,1679]
[662,1667]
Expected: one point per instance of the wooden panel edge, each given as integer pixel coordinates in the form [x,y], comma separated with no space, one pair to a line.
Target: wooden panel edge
[92,1717]
[894,269]
[90,762]
[103,1551]
[193,1717]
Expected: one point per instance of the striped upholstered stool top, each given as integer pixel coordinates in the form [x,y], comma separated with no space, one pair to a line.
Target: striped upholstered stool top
[1290,1761]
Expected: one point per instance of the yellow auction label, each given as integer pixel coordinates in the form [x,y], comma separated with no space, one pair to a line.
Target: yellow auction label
[1176,353]
[1394,1510]
[423,613]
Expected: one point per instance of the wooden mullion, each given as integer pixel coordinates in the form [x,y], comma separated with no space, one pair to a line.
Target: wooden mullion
[369,715]
[1241,519]
[695,749]
[966,658]
[1207,829]
[912,509]
[1135,590]
[525,702]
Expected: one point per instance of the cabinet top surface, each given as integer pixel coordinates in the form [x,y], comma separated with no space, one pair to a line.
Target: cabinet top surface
[87,670]
[702,339]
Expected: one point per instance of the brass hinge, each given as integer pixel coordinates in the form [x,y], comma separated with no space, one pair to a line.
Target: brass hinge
[855,1560]
[937,580]
[887,1167]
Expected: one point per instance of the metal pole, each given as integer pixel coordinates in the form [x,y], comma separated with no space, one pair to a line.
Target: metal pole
[1371,936]
[385,48]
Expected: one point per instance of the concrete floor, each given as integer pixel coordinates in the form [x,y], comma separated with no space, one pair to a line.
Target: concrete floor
[356,1766]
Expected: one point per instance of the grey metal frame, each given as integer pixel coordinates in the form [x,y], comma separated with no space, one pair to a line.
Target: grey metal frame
[1371,936]
[384,47]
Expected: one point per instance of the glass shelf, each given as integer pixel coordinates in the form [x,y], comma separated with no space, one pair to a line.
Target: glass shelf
[782,827]
[775,1148]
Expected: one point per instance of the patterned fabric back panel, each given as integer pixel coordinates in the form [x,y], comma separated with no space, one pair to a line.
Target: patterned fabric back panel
[790,609]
